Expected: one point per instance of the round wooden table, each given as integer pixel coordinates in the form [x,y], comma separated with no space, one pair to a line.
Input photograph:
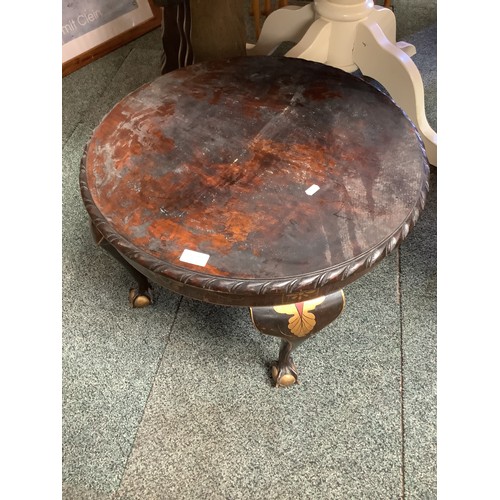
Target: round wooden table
[266,182]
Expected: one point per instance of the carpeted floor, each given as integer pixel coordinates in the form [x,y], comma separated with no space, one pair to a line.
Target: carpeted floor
[175,401]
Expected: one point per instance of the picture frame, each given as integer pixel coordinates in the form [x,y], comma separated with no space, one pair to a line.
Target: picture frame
[93,28]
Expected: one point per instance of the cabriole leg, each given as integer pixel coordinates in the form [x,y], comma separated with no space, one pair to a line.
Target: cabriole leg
[294,323]
[138,297]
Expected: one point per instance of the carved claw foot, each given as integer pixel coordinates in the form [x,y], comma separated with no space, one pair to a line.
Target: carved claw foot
[141,296]
[138,298]
[284,375]
[294,323]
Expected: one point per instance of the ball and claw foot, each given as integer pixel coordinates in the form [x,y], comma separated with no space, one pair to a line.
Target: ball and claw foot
[139,298]
[293,324]
[284,375]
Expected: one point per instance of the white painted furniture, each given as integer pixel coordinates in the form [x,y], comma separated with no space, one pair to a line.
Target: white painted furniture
[352,35]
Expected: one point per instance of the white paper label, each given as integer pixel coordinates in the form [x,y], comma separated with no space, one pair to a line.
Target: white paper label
[311,190]
[196,258]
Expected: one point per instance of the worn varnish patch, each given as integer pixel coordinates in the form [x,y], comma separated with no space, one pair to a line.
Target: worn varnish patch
[217,158]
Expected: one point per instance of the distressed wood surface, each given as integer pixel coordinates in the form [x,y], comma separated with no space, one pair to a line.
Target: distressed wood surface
[217,157]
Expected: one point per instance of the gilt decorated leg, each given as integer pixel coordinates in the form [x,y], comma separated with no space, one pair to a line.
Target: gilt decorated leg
[138,297]
[294,323]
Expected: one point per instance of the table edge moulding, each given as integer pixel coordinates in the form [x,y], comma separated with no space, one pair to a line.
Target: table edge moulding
[292,307]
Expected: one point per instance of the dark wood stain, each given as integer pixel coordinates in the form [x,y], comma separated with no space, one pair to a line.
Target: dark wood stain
[216,158]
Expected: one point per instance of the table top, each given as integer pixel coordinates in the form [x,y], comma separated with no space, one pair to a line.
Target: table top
[255,180]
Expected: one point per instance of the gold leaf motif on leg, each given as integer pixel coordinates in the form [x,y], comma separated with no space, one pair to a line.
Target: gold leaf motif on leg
[303,320]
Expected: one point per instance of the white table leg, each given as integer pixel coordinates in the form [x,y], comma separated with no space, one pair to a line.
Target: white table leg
[314,44]
[351,35]
[288,24]
[384,61]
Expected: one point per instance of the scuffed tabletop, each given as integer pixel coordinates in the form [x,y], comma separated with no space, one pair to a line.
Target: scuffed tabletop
[250,180]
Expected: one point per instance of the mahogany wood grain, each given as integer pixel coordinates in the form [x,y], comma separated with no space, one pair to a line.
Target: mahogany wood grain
[216,158]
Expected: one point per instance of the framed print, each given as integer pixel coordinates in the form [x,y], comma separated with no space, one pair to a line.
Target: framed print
[93,28]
